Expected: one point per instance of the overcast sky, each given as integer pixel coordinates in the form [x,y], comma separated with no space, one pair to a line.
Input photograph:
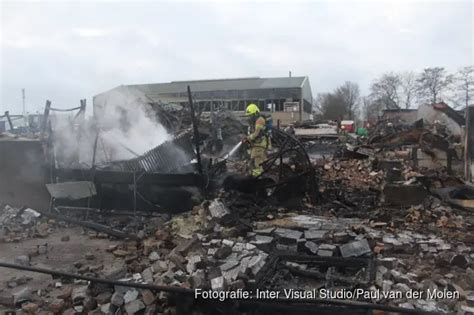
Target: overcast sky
[68,51]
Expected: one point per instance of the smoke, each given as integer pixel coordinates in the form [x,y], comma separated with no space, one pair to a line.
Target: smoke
[67,143]
[130,130]
[124,125]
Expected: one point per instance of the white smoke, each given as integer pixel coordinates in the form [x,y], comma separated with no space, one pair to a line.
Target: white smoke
[125,127]
[130,129]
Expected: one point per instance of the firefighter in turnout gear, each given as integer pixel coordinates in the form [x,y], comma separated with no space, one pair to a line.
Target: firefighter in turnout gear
[258,139]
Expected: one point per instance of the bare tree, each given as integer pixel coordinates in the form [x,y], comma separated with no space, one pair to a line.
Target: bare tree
[340,104]
[371,110]
[331,106]
[366,111]
[432,83]
[349,95]
[317,102]
[465,84]
[408,87]
[386,90]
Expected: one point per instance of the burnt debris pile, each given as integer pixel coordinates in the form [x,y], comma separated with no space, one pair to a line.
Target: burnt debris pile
[336,223]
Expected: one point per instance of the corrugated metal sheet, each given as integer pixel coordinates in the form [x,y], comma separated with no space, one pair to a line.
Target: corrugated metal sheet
[168,157]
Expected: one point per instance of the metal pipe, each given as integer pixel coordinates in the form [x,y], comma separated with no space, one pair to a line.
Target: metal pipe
[65,110]
[99,280]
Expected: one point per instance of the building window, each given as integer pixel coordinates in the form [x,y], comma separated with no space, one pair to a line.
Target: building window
[291,107]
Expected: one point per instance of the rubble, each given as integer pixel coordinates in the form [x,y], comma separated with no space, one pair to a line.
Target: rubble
[22,260]
[134,307]
[30,308]
[117,299]
[218,210]
[355,249]
[380,222]
[218,283]
[241,258]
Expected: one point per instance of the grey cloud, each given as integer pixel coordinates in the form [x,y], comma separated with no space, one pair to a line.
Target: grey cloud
[65,52]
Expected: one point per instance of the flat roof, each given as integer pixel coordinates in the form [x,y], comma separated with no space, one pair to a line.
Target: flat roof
[221,85]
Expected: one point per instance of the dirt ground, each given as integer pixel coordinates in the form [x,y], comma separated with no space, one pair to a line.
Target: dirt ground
[59,256]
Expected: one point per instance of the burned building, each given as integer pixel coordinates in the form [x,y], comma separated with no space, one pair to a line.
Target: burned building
[404,115]
[162,226]
[289,99]
[370,220]
[442,113]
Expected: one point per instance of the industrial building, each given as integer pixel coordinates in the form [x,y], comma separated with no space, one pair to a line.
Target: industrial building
[288,98]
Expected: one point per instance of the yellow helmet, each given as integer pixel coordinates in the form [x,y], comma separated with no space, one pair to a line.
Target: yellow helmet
[252,109]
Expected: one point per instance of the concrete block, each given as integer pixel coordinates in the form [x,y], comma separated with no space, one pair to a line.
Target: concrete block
[355,249]
[218,210]
[288,234]
[218,284]
[134,307]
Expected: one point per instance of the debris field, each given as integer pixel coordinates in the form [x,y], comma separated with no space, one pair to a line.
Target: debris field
[370,227]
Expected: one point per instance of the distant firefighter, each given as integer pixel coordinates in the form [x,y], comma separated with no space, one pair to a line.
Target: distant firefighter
[258,138]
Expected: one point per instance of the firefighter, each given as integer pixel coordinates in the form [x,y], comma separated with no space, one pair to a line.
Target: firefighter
[257,139]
